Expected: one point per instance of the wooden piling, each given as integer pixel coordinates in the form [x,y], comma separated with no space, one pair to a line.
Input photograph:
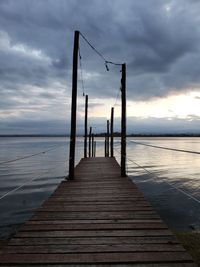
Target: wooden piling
[73,106]
[90,139]
[86,126]
[92,145]
[111,133]
[123,121]
[105,145]
[95,146]
[108,135]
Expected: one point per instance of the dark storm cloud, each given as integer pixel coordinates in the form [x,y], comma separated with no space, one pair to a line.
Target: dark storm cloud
[151,36]
[159,41]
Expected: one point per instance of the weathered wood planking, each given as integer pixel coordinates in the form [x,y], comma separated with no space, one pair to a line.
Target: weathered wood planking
[98,219]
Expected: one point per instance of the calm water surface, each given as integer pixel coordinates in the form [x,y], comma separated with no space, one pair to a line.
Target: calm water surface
[167,178]
[172,173]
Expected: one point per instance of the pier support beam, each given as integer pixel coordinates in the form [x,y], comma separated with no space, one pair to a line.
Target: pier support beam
[107,142]
[95,145]
[73,107]
[86,126]
[92,145]
[105,145]
[90,139]
[111,132]
[123,121]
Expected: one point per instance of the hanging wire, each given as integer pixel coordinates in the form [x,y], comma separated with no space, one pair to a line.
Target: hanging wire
[159,178]
[117,97]
[167,148]
[81,69]
[106,62]
[173,186]
[29,181]
[32,155]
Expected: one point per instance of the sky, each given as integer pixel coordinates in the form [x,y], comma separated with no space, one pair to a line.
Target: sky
[158,40]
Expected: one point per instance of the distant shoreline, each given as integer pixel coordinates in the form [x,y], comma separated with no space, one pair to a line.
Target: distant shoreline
[103,135]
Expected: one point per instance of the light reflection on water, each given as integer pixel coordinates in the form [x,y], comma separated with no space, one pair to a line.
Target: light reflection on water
[42,173]
[169,169]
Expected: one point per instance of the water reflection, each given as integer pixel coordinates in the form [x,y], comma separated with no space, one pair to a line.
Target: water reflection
[169,169]
[35,178]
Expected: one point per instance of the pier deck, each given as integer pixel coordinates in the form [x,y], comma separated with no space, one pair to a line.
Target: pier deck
[98,219]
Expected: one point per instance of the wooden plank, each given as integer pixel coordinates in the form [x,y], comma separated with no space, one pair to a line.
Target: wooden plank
[136,203]
[96,182]
[93,221]
[93,198]
[81,187]
[93,240]
[98,195]
[93,226]
[93,248]
[126,257]
[96,233]
[90,208]
[115,264]
[93,215]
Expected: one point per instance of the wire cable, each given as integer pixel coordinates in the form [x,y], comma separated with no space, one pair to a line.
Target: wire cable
[173,186]
[106,62]
[32,155]
[81,69]
[117,97]
[154,175]
[99,54]
[17,188]
[25,183]
[167,148]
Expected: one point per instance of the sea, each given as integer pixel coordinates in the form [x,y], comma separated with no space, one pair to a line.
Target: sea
[166,170]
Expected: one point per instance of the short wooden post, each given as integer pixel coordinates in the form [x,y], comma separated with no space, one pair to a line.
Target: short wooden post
[92,145]
[123,122]
[95,145]
[108,134]
[111,133]
[73,107]
[90,137]
[86,126]
[105,145]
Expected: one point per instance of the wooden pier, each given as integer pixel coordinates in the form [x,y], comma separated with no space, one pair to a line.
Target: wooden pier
[97,219]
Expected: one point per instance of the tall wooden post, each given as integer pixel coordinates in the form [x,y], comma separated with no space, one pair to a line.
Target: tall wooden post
[105,145]
[123,122]
[111,133]
[92,145]
[73,107]
[95,145]
[86,126]
[90,137]
[108,134]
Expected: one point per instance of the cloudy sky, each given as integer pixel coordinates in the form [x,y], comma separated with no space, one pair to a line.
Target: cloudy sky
[159,41]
